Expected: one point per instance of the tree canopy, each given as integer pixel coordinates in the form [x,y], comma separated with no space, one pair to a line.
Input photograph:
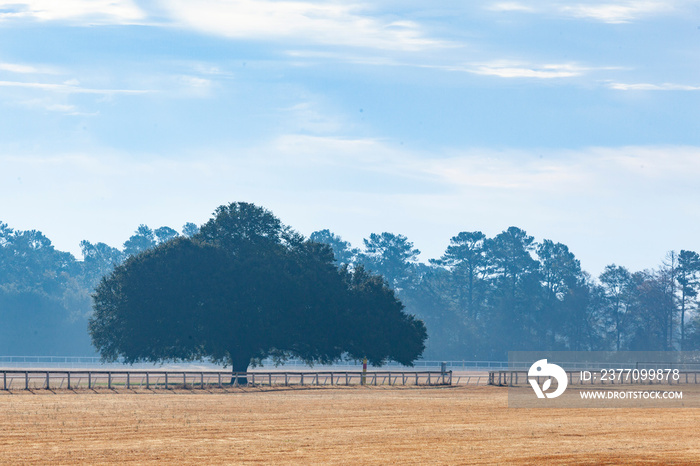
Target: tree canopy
[42,303]
[246,287]
[483,297]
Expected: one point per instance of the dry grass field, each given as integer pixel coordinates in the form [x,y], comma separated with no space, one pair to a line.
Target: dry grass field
[354,425]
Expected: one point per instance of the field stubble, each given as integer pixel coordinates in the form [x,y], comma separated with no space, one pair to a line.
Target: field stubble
[353,425]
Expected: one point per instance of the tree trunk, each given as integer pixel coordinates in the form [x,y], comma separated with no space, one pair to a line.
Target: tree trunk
[239,363]
[682,317]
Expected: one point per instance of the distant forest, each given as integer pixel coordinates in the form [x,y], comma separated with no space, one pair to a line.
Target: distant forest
[482,298]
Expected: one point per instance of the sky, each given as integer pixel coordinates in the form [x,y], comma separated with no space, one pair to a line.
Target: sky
[577,121]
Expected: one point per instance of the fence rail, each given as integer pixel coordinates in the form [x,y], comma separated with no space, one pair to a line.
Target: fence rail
[96,379]
[470,380]
[515,378]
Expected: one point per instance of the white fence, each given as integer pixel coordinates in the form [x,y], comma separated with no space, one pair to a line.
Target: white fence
[98,379]
[470,379]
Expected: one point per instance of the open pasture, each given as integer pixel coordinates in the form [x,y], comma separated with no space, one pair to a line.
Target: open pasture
[343,425]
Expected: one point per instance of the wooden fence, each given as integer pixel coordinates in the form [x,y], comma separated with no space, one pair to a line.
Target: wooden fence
[515,378]
[97,379]
[470,379]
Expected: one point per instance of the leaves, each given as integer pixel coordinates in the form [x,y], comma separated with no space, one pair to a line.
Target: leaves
[248,287]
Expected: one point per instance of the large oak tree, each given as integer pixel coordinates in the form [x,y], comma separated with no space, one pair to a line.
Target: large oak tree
[247,287]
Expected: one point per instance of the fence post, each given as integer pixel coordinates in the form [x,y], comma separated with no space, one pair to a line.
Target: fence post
[26,380]
[68,374]
[286,379]
[269,377]
[89,379]
[347,380]
[4,380]
[220,380]
[109,380]
[147,381]
[184,380]
[302,379]
[166,380]
[201,379]
[128,380]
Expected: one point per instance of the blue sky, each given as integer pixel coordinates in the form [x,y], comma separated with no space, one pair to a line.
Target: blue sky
[578,121]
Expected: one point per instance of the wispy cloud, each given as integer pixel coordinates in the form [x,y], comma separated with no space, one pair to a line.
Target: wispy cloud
[321,22]
[550,170]
[498,68]
[595,169]
[20,68]
[509,6]
[309,117]
[49,104]
[71,87]
[327,23]
[191,86]
[612,12]
[512,69]
[617,12]
[91,11]
[342,56]
[652,87]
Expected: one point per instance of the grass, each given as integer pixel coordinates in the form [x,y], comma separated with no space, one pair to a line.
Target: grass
[353,425]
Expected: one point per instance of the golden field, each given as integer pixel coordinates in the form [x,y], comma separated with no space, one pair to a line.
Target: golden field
[345,425]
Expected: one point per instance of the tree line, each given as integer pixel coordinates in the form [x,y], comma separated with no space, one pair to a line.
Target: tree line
[45,294]
[486,296]
[482,298]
